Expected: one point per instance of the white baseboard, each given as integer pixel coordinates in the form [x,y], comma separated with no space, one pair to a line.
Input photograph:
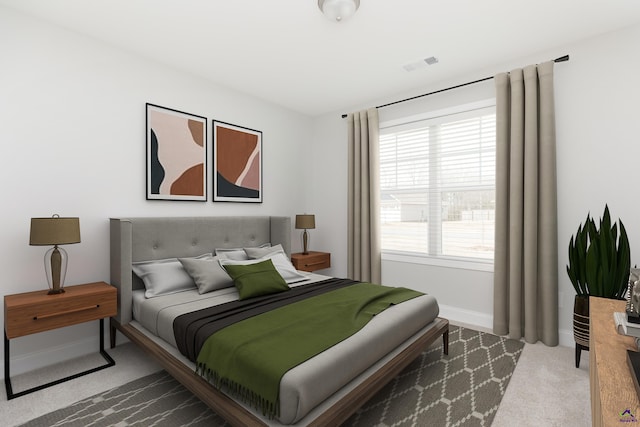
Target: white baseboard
[478,319]
[39,359]
[565,337]
[484,322]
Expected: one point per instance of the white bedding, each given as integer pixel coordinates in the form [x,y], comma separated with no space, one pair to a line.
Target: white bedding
[310,383]
[157,314]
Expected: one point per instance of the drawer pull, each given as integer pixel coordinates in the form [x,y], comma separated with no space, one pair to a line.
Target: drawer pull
[61,313]
[314,263]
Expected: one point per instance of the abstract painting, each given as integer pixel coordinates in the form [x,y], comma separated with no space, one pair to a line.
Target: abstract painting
[237,163]
[176,155]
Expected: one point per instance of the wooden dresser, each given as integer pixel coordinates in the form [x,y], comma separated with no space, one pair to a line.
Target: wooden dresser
[612,388]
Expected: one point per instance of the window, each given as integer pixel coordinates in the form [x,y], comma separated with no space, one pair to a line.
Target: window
[437,182]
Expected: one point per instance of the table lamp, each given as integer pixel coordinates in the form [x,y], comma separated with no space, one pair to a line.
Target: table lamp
[55,231]
[305,222]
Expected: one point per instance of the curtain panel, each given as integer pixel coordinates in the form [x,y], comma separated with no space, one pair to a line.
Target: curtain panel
[526,243]
[363,229]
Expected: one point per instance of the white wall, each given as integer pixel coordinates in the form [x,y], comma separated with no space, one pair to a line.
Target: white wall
[597,111]
[72,141]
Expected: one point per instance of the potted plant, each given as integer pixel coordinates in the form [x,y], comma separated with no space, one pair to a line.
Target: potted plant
[599,262]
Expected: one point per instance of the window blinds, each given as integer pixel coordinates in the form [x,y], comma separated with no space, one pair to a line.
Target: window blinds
[437,180]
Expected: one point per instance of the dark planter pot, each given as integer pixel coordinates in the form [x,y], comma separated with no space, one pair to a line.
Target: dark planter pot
[581,325]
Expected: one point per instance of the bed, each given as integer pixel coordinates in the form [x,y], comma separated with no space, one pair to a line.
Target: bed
[309,396]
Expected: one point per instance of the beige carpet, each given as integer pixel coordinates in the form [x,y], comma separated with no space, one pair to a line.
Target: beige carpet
[547,390]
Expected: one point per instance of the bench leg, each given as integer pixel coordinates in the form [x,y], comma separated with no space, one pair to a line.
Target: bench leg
[579,348]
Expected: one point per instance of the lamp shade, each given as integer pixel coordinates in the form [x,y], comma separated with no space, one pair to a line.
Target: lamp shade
[305,221]
[338,10]
[54,231]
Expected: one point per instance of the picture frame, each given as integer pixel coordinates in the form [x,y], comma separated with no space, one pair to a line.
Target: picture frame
[236,163]
[176,157]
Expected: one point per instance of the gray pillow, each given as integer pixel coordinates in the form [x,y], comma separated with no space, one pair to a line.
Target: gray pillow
[254,253]
[208,274]
[164,276]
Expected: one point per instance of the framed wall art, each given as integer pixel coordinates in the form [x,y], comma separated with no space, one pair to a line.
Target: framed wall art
[176,155]
[237,163]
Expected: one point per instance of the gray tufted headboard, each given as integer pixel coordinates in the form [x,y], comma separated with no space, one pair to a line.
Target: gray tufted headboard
[147,238]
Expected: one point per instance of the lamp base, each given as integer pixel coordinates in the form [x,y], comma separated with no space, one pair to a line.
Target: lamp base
[55,266]
[305,241]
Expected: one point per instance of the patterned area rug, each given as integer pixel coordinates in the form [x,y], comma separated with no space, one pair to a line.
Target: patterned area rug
[462,389]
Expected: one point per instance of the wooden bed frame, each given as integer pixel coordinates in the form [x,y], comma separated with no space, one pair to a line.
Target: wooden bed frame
[136,239]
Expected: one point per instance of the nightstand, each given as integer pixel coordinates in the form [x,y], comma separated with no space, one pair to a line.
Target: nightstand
[32,312]
[312,261]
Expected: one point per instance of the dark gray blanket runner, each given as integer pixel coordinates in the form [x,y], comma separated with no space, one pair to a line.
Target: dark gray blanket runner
[191,330]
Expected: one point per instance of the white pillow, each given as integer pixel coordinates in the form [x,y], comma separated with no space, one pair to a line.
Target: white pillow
[280,262]
[207,273]
[254,253]
[236,253]
[164,276]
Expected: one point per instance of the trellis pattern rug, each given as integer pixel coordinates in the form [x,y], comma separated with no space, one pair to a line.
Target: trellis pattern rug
[462,389]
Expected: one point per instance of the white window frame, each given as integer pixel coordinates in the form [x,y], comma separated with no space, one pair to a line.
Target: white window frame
[440,260]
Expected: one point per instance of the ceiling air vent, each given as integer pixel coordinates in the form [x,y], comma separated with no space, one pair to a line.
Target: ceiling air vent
[423,63]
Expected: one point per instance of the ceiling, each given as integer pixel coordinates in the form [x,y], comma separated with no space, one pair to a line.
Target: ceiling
[287,52]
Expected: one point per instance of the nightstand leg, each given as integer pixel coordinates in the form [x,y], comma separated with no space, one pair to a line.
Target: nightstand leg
[7,377]
[110,361]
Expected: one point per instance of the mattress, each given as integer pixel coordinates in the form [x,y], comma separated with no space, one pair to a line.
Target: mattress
[305,386]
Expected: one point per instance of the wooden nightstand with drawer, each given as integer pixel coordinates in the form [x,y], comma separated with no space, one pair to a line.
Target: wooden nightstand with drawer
[32,312]
[312,261]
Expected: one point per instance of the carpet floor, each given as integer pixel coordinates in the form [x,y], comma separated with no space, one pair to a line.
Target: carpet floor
[462,389]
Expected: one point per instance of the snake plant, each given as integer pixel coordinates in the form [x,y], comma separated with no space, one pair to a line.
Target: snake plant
[599,259]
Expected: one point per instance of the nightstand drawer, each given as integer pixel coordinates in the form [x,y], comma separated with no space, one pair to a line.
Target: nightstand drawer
[42,312]
[311,261]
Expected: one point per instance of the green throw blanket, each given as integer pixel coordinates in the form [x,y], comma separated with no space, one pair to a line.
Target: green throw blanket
[250,357]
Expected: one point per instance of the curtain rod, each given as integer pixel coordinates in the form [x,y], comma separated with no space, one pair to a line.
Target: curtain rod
[564,58]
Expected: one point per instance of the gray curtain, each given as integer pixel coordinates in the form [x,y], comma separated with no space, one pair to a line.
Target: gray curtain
[526,243]
[363,227]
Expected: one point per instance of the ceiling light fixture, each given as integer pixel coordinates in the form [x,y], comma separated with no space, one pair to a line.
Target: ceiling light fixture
[338,10]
